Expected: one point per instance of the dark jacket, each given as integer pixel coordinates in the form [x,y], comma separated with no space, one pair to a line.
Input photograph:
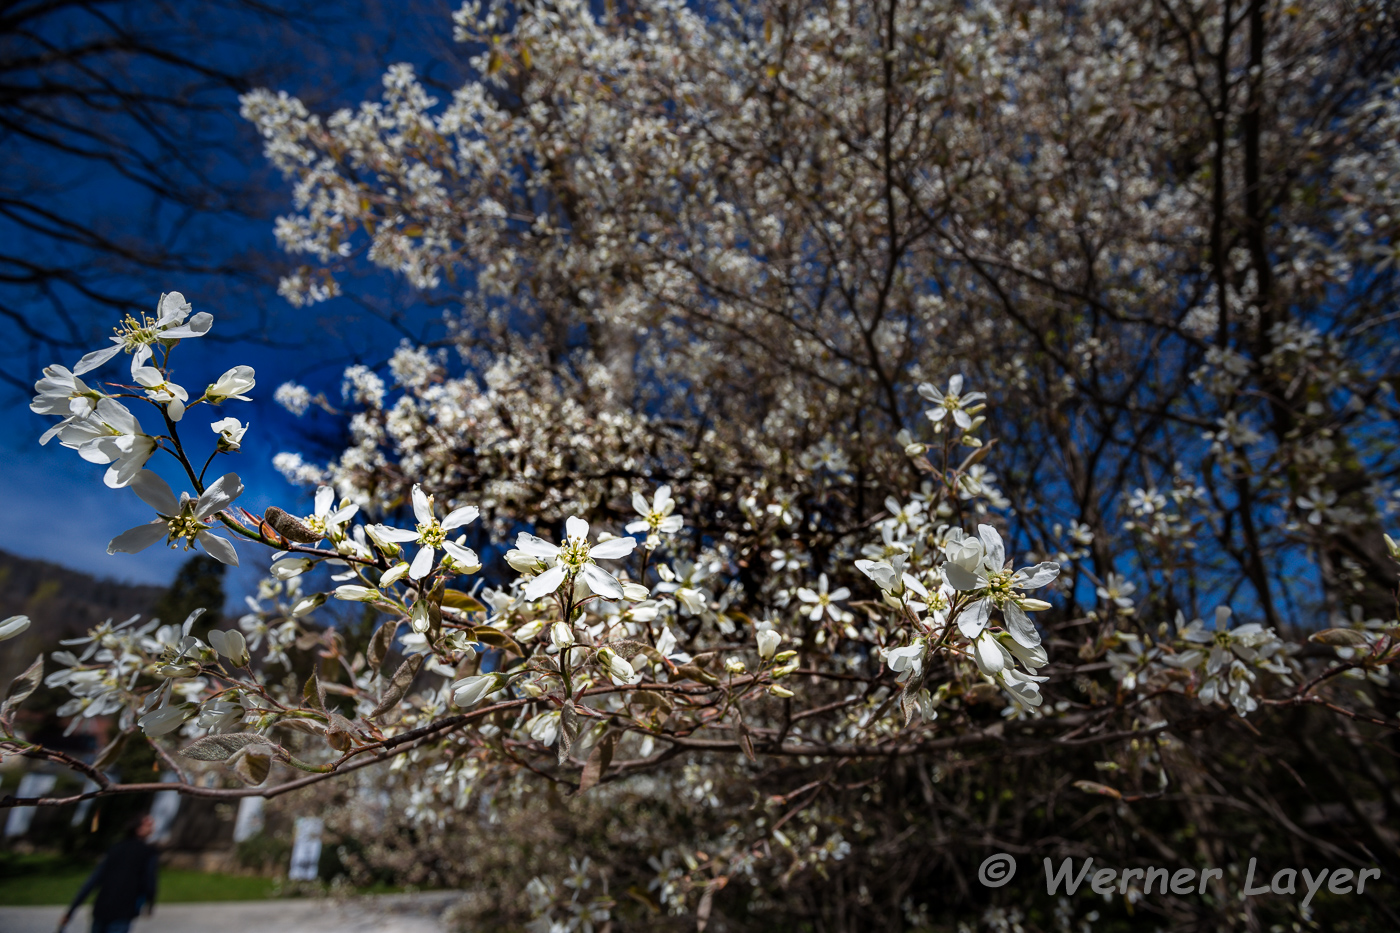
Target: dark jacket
[125,881]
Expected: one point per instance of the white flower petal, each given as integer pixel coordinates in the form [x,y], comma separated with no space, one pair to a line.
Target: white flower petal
[1020,625]
[217,548]
[601,582]
[341,515]
[536,547]
[396,535]
[218,495]
[96,358]
[575,528]
[545,583]
[613,548]
[171,309]
[459,517]
[137,539]
[973,619]
[196,326]
[155,492]
[462,555]
[994,552]
[422,564]
[1030,578]
[960,578]
[421,509]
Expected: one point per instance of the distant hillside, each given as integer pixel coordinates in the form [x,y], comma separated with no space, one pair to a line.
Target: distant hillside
[62,603]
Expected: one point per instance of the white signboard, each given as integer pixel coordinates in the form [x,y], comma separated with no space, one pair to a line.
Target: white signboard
[164,809]
[250,818]
[306,849]
[31,785]
[84,807]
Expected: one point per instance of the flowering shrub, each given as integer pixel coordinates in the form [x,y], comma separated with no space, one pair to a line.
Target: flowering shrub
[799,447]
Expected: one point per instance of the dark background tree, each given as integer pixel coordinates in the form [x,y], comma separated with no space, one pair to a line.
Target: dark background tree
[124,167]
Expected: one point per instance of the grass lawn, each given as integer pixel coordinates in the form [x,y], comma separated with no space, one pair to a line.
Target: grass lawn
[52,879]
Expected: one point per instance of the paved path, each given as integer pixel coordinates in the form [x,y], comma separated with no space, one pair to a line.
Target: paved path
[394,913]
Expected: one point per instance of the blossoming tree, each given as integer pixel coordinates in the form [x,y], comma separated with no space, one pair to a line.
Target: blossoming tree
[755,301]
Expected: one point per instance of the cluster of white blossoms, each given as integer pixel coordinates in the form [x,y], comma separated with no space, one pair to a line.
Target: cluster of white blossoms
[596,650]
[102,429]
[946,583]
[704,630]
[1220,665]
[581,637]
[604,627]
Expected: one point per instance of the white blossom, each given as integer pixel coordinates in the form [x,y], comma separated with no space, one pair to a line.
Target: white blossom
[231,384]
[953,402]
[166,328]
[184,519]
[430,534]
[576,557]
[825,602]
[230,431]
[978,565]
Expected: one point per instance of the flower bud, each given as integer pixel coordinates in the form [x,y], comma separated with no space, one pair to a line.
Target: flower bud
[166,719]
[231,644]
[734,665]
[308,603]
[768,641]
[232,384]
[693,601]
[356,593]
[634,592]
[286,569]
[472,690]
[378,534]
[529,630]
[782,656]
[617,666]
[230,430]
[521,562]
[561,634]
[420,618]
[394,574]
[778,691]
[912,448]
[13,626]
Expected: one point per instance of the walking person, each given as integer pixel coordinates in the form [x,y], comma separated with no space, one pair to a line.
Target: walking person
[125,881]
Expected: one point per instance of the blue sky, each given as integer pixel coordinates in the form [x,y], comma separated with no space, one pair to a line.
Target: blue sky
[58,508]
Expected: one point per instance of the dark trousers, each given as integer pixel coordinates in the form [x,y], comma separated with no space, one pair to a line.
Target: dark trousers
[110,926]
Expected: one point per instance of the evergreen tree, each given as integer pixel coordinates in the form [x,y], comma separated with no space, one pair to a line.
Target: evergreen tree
[198,585]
